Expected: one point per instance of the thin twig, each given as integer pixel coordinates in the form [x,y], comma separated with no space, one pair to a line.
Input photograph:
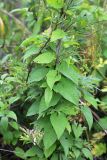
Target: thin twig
[6,150]
[96,118]
[95,115]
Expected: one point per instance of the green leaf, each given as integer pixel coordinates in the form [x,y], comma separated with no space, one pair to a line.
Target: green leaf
[1,114]
[12,115]
[87,153]
[49,136]
[54,157]
[13,99]
[37,74]
[29,40]
[76,152]
[43,122]
[20,153]
[56,3]
[69,71]
[55,99]
[67,108]
[31,152]
[59,123]
[32,50]
[70,43]
[68,90]
[21,10]
[99,149]
[77,129]
[105,53]
[4,123]
[34,109]
[45,58]
[88,115]
[14,125]
[48,95]
[8,136]
[49,151]
[34,151]
[103,122]
[89,98]
[68,127]
[57,34]
[66,142]
[52,77]
[53,102]
[43,105]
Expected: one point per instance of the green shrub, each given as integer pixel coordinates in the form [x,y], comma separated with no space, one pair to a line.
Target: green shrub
[48,96]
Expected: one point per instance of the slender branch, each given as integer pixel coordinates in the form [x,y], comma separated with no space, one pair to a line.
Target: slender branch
[45,44]
[95,115]
[96,118]
[6,150]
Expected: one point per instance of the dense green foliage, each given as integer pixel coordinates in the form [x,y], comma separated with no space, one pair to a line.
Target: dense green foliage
[53,85]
